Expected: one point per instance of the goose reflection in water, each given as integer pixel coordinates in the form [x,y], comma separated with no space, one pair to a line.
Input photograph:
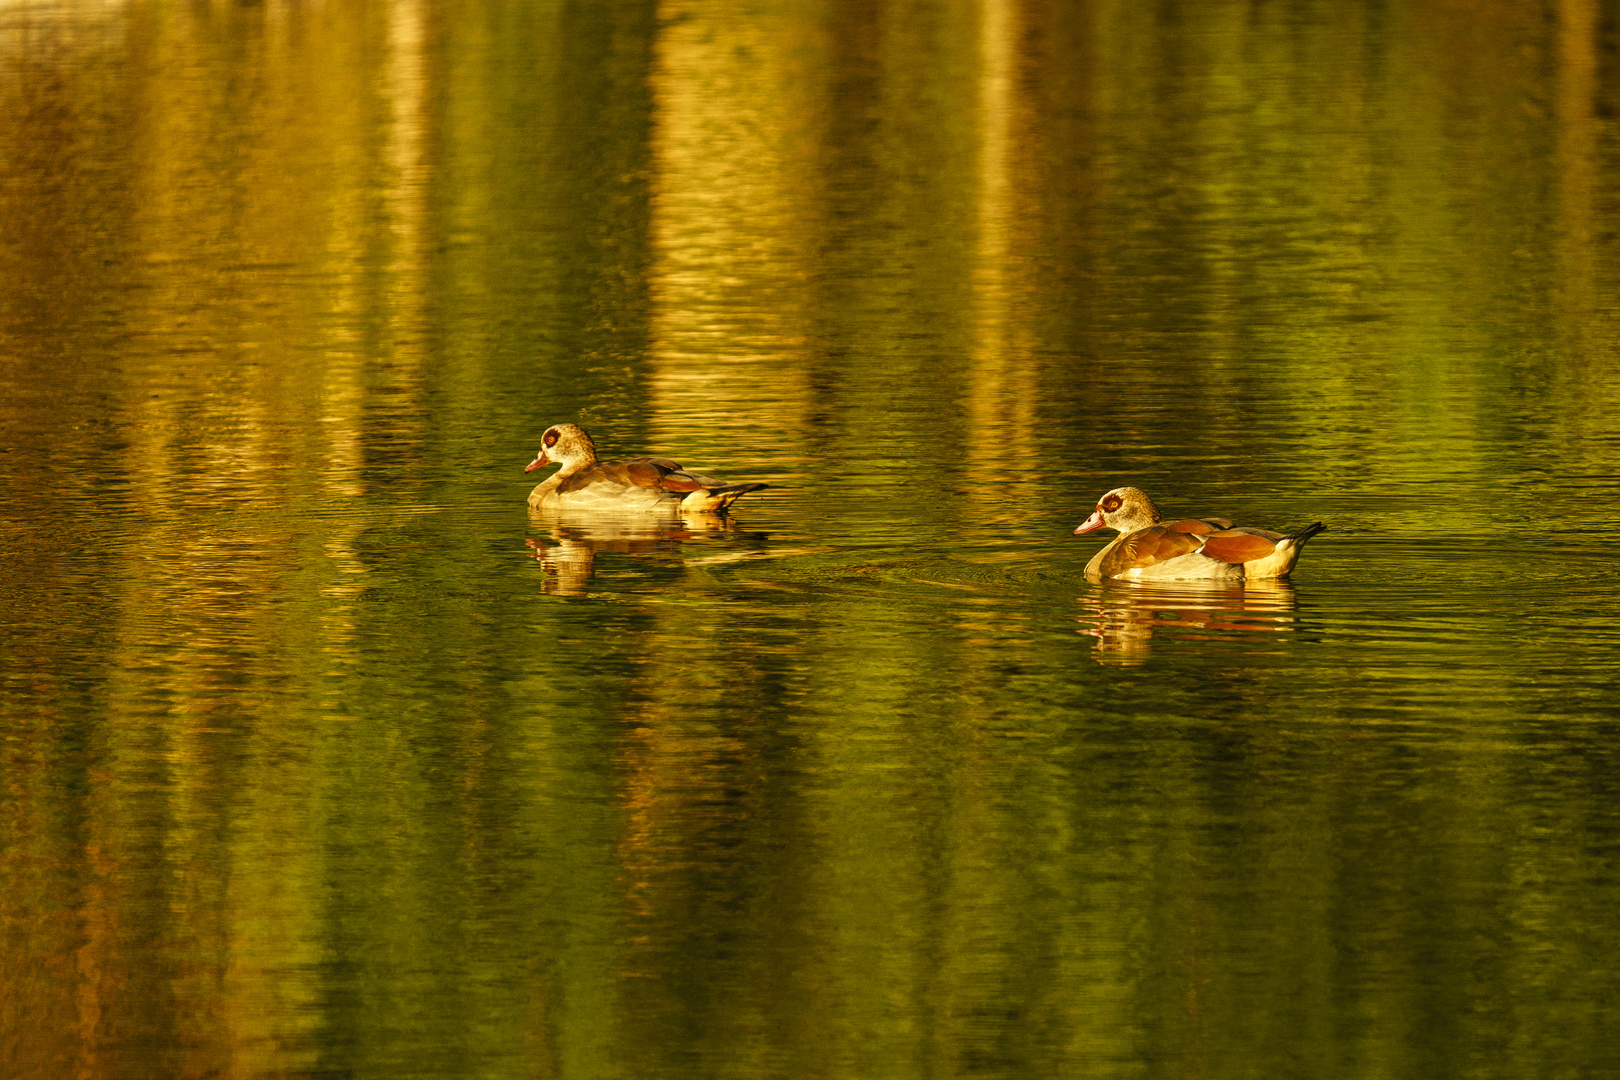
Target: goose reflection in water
[569,559]
[1124,616]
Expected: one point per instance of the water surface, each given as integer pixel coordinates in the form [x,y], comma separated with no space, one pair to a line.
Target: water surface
[323,758]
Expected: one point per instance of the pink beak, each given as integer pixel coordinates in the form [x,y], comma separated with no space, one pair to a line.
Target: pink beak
[1095,521]
[539,462]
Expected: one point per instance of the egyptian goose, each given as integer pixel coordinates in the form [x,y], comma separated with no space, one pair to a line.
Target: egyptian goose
[1148,548]
[642,485]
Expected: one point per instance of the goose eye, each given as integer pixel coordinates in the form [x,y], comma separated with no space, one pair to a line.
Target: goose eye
[550,440]
[1109,504]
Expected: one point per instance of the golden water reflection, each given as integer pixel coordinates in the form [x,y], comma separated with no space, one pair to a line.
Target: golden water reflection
[1125,616]
[292,760]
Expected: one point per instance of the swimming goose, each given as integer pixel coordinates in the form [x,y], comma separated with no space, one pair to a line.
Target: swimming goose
[1148,548]
[642,485]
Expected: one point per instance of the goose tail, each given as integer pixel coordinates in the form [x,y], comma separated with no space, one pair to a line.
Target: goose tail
[718,499]
[1300,536]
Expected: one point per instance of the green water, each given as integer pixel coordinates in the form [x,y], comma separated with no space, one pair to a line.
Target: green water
[321,758]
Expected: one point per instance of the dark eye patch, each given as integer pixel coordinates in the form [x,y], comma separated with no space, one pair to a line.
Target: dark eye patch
[551,438]
[1109,504]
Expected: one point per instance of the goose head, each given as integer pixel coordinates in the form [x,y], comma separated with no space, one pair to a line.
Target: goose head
[567,445]
[1125,510]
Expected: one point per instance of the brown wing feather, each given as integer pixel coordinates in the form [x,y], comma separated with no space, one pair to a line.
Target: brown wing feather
[644,473]
[1238,546]
[1198,526]
[641,472]
[703,481]
[1154,544]
[659,474]
[680,481]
